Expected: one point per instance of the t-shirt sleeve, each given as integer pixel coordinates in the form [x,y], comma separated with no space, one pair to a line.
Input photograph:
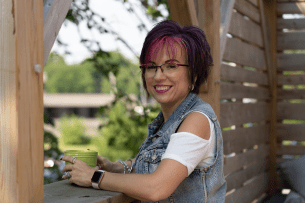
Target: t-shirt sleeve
[186,148]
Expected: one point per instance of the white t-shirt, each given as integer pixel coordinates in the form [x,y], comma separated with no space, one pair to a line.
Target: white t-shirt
[191,150]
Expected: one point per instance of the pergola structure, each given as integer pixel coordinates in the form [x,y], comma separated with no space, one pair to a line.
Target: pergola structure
[251,62]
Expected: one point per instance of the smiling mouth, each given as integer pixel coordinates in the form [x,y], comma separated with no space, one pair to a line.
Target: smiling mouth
[162,89]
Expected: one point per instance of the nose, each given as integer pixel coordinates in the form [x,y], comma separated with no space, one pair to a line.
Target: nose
[159,73]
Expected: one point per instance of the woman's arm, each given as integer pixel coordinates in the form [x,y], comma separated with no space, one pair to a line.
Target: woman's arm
[147,187]
[167,177]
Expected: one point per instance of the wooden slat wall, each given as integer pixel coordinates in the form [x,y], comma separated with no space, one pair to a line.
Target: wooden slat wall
[246,148]
[291,81]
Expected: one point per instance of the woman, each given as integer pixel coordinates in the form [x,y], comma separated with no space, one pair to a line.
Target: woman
[182,158]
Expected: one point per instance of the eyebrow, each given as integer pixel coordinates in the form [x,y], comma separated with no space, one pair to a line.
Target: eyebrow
[166,61]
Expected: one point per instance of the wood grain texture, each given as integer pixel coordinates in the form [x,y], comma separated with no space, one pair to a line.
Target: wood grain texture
[237,162]
[254,2]
[291,94]
[226,9]
[238,113]
[236,180]
[57,11]
[244,54]
[29,96]
[290,111]
[251,191]
[244,138]
[291,132]
[290,62]
[246,30]
[290,23]
[183,12]
[238,91]
[248,9]
[239,74]
[8,113]
[290,150]
[290,40]
[268,16]
[290,8]
[291,79]
[209,21]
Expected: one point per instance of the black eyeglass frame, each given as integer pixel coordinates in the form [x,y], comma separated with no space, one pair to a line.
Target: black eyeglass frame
[143,66]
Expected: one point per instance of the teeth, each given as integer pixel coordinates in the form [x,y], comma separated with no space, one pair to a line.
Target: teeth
[162,87]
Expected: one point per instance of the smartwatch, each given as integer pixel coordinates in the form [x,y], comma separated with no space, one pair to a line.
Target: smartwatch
[96,178]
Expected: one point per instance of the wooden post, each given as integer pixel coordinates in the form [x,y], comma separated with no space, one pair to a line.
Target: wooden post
[21,120]
[208,19]
[268,15]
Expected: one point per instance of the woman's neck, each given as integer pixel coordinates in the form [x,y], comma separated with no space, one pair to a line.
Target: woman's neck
[169,108]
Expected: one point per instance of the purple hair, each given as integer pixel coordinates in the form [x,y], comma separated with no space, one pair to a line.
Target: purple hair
[190,38]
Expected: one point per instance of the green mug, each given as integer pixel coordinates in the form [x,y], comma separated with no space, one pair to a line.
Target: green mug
[87,156]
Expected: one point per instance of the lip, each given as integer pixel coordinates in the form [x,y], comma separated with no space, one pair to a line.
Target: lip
[162,91]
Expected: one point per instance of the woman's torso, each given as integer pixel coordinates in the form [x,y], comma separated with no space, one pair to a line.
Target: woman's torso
[206,184]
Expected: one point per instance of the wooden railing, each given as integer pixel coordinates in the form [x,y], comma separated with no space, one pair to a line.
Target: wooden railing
[63,191]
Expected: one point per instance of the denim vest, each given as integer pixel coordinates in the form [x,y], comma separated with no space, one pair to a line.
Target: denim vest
[205,184]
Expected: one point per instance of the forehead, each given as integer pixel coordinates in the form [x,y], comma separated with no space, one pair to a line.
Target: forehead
[167,52]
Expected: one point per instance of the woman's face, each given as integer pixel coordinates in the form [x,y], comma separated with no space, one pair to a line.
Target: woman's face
[169,88]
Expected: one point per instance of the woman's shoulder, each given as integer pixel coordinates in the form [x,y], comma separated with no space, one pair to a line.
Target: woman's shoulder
[202,107]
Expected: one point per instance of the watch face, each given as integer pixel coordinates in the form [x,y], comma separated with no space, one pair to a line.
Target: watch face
[96,176]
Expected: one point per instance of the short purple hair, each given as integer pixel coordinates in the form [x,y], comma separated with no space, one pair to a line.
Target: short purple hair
[190,38]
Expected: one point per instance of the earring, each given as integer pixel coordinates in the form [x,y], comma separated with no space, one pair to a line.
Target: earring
[192,87]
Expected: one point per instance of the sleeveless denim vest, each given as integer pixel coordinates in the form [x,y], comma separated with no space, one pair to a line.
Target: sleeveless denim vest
[204,185]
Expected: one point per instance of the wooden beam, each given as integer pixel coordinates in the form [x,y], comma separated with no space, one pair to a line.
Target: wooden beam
[246,29]
[251,191]
[237,113]
[183,12]
[239,74]
[268,16]
[290,40]
[238,91]
[226,10]
[244,138]
[206,15]
[297,24]
[239,161]
[243,53]
[248,9]
[290,62]
[209,21]
[21,90]
[54,12]
[290,8]
[8,111]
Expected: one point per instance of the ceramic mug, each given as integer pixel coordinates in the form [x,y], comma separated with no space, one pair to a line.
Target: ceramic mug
[87,156]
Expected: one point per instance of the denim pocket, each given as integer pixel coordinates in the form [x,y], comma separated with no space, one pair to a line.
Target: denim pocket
[152,159]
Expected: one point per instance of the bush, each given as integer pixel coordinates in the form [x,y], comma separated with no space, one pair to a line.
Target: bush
[125,131]
[73,130]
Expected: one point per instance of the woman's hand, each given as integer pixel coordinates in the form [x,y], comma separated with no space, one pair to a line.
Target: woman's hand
[104,164]
[80,172]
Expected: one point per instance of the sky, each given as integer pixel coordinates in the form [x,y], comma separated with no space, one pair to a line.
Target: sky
[122,21]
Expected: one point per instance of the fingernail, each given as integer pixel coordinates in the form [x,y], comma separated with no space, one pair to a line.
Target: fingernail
[60,158]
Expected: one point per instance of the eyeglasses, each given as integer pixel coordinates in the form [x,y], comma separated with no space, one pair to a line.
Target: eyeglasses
[168,68]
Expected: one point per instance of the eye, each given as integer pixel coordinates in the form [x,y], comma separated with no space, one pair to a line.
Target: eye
[151,67]
[172,65]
